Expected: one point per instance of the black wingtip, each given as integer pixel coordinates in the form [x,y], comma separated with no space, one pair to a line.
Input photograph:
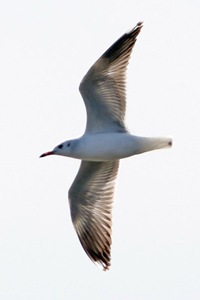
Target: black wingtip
[140,23]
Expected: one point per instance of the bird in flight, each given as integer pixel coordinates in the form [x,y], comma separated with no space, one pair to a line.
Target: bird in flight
[106,140]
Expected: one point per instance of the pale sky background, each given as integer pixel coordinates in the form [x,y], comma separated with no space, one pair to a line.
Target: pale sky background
[46,47]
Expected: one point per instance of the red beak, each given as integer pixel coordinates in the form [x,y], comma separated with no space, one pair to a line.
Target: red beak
[47,153]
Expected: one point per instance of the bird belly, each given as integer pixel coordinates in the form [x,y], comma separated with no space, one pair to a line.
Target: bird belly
[114,146]
[104,147]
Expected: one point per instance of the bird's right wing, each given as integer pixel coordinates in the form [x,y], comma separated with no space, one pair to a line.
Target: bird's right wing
[91,199]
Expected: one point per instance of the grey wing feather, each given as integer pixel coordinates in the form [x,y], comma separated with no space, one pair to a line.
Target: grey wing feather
[104,86]
[91,199]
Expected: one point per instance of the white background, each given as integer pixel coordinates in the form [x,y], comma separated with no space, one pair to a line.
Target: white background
[45,49]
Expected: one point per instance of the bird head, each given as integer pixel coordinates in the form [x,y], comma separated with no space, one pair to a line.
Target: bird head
[63,149]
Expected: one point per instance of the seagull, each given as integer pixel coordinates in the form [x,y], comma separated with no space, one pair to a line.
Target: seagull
[105,141]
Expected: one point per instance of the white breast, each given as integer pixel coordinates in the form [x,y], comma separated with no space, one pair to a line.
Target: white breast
[114,146]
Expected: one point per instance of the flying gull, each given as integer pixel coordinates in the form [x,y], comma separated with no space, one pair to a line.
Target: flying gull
[106,140]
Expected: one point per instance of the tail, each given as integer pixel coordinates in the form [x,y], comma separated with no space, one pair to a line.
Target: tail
[162,143]
[145,144]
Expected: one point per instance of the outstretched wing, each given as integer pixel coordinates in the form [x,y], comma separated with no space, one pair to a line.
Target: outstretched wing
[104,86]
[91,199]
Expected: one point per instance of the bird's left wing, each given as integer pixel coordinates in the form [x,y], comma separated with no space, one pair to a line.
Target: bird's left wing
[91,199]
[103,88]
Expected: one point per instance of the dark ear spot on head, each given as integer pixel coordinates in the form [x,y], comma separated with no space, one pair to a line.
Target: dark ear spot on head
[68,144]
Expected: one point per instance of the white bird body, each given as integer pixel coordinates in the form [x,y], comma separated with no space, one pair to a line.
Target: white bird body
[105,141]
[111,146]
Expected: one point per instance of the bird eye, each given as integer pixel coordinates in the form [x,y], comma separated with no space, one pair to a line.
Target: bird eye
[60,146]
[68,144]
